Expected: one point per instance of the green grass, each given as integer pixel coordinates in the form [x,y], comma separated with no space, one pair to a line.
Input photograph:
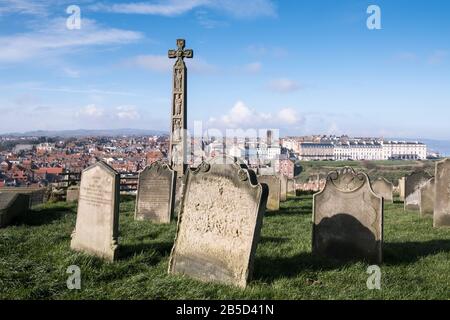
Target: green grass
[35,254]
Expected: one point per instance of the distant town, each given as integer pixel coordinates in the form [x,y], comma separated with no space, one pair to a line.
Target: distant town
[40,161]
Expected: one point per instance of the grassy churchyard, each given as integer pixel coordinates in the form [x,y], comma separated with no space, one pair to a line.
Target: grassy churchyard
[35,254]
[392,170]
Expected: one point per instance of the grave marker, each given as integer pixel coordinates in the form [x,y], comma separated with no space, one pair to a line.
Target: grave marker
[219,224]
[441,216]
[156,193]
[348,218]
[97,226]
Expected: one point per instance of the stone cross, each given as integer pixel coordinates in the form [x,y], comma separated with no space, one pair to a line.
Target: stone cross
[178,145]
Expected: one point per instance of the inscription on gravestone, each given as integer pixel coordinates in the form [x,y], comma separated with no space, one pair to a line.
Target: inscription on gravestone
[96,229]
[155,196]
[219,224]
[348,218]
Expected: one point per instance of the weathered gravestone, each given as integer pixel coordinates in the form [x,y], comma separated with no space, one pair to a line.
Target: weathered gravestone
[219,224]
[401,188]
[156,193]
[72,193]
[274,184]
[413,183]
[283,189]
[383,188]
[291,186]
[97,225]
[441,216]
[348,218]
[427,198]
[12,206]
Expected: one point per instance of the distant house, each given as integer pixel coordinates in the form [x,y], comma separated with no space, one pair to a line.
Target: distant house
[154,156]
[289,168]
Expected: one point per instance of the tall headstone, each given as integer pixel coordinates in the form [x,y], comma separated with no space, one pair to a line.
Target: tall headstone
[441,216]
[413,183]
[348,218]
[384,188]
[427,198]
[274,184]
[97,226]
[401,188]
[13,206]
[178,144]
[219,224]
[156,193]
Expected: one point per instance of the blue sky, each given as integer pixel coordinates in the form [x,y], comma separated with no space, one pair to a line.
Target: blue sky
[305,67]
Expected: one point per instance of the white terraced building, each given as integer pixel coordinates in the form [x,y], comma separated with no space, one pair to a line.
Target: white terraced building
[363,150]
[404,150]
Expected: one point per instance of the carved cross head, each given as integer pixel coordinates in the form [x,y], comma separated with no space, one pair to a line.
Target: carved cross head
[181,53]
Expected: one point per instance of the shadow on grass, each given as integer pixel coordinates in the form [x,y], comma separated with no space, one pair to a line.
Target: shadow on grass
[292,207]
[39,217]
[409,252]
[273,240]
[161,248]
[269,268]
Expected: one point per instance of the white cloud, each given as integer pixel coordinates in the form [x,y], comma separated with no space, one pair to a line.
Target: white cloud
[90,111]
[160,63]
[170,8]
[57,39]
[283,85]
[253,67]
[71,73]
[288,115]
[241,116]
[127,113]
[157,63]
[27,7]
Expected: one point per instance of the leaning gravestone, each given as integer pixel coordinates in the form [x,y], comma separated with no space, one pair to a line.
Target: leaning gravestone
[219,224]
[12,206]
[274,184]
[283,189]
[156,193]
[413,183]
[348,218]
[427,198]
[97,225]
[441,216]
[401,188]
[384,188]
